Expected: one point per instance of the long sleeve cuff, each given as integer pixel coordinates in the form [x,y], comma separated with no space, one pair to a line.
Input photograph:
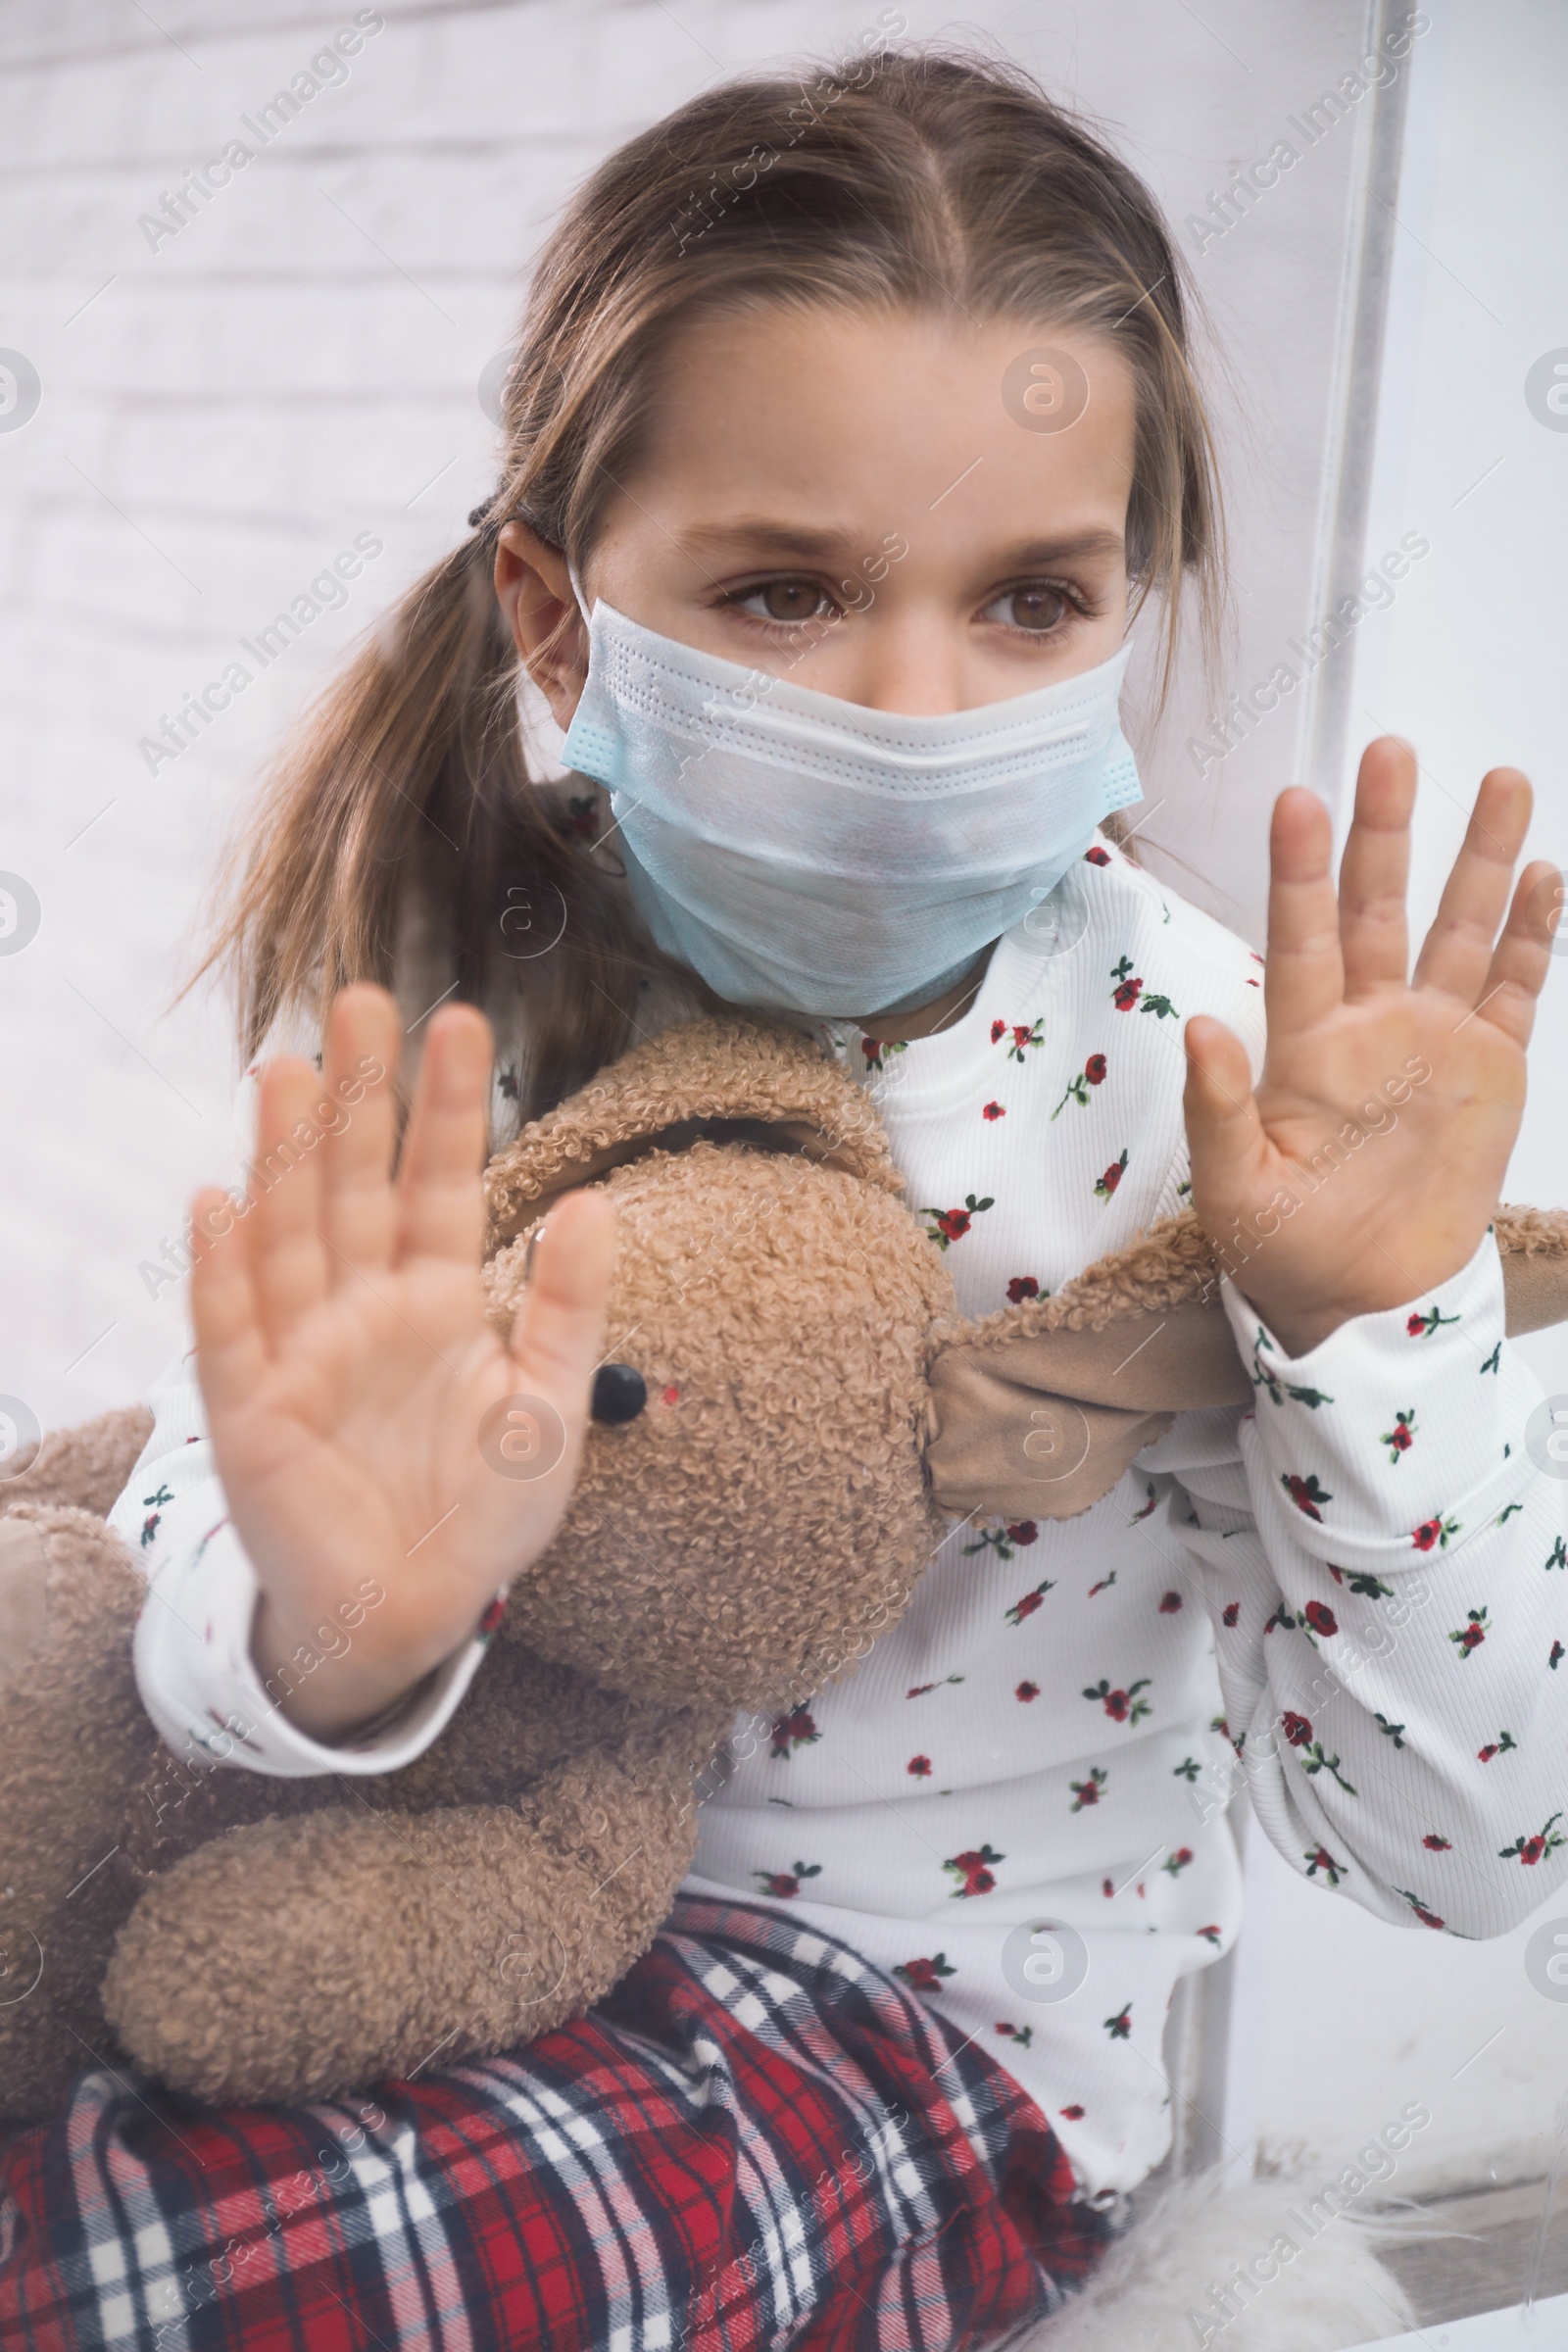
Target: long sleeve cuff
[201,1687]
[1385,1443]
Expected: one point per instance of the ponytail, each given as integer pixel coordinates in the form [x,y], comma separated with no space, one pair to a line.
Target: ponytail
[399,839]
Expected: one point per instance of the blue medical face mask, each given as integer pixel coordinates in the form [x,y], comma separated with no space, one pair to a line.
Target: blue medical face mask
[816,857]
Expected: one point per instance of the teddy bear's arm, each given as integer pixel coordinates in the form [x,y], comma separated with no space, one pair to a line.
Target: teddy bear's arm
[301,1958]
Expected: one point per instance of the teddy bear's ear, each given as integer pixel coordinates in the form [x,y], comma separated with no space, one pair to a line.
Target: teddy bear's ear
[751,1082]
[1038,1410]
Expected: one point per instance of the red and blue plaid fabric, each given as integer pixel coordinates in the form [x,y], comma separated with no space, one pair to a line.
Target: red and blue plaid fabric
[758,2141]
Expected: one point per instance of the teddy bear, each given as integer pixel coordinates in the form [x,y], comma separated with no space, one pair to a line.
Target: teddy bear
[789,1415]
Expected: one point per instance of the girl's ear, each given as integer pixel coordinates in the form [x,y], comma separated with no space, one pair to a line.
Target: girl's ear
[534,590]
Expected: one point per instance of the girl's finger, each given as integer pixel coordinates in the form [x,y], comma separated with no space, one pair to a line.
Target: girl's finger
[1224,1133]
[1303,974]
[230,1349]
[1375,870]
[283,1232]
[440,1198]
[558,1328]
[1523,957]
[1456,953]
[359,1209]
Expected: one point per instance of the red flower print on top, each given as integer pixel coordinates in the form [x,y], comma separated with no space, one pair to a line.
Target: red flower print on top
[1105,1185]
[1435,1531]
[874,1047]
[786,1883]
[1472,1633]
[1024,2036]
[1401,1437]
[994,1110]
[1027,1690]
[919,1690]
[1231,1612]
[1321,1618]
[1092,1074]
[1318,1858]
[1435,1845]
[794,1730]
[925,1976]
[1428,1919]
[1144,1510]
[1529,1850]
[1087,1793]
[1421,1327]
[1496,1747]
[952,1224]
[1169,1604]
[1019,1533]
[1095,856]
[1306,1493]
[1031,1601]
[920,1767]
[1120,2027]
[1557,1654]
[1297,1729]
[1177,1862]
[1129,988]
[1211,1934]
[582,815]
[1122,1706]
[974,1870]
[1021,1038]
[1020,1288]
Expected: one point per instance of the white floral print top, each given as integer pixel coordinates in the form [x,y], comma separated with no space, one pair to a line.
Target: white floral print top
[1352,1598]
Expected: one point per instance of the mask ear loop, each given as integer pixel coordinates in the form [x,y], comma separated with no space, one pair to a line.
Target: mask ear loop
[577,592]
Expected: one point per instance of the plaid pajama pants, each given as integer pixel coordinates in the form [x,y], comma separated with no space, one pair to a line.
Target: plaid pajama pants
[757,2141]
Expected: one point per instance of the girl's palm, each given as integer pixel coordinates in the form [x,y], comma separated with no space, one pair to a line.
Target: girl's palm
[373,1433]
[1366,1166]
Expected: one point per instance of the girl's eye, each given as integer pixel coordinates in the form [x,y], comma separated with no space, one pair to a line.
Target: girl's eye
[1039,609]
[789,601]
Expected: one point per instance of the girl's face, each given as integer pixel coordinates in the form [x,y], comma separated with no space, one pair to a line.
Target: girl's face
[862,503]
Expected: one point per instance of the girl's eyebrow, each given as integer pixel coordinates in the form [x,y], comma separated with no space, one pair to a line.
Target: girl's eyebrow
[765,538]
[761,536]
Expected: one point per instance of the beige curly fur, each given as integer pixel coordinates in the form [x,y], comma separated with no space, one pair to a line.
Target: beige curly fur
[815,1410]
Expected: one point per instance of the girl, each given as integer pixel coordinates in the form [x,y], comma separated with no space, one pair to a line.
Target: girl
[850,430]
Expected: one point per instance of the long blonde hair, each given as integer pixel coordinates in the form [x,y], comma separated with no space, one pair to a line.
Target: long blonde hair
[402,808]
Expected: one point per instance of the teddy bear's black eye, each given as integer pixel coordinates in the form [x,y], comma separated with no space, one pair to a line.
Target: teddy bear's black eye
[619,1394]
